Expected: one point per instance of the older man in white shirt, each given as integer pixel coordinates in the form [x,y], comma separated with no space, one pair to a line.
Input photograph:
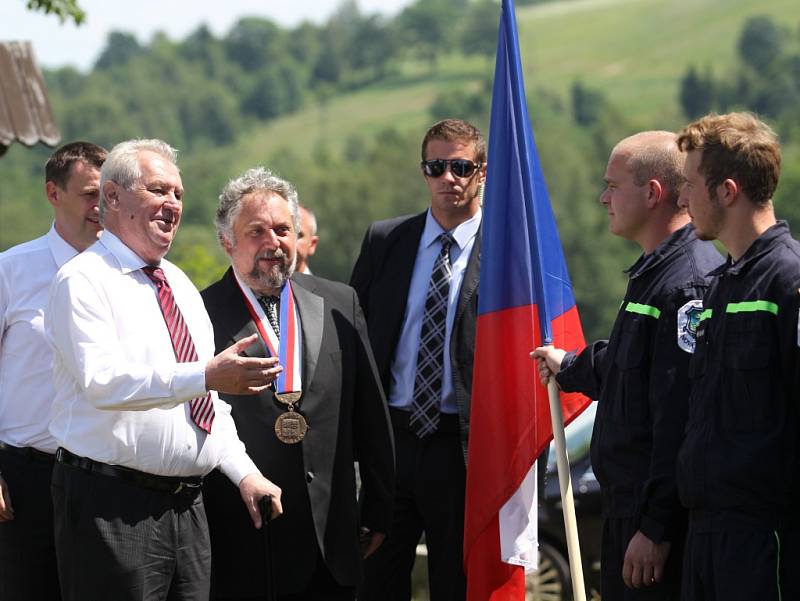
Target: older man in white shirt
[135,414]
[27,553]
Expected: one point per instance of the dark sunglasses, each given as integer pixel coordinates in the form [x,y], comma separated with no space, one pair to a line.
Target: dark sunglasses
[459,167]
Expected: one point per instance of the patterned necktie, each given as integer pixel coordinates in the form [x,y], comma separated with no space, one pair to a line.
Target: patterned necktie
[271,306]
[428,383]
[201,408]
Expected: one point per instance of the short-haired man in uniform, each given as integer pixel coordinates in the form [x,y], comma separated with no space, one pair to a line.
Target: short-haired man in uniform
[738,461]
[639,376]
[27,552]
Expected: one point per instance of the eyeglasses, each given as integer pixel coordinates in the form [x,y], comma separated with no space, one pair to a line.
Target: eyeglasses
[459,167]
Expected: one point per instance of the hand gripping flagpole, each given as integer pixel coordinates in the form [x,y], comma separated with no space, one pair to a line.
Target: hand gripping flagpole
[565,484]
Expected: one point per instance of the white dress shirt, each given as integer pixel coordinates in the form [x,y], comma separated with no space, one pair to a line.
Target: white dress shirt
[404,366]
[120,394]
[26,373]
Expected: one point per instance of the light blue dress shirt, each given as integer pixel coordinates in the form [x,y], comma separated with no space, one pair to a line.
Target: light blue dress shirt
[404,366]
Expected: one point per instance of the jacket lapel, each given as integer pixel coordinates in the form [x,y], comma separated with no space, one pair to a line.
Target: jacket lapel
[471,277]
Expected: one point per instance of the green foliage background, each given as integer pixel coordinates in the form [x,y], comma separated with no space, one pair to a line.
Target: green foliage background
[340,109]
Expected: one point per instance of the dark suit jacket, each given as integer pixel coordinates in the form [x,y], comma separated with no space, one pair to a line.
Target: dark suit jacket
[348,420]
[382,278]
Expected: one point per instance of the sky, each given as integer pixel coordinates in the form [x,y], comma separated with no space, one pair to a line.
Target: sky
[57,45]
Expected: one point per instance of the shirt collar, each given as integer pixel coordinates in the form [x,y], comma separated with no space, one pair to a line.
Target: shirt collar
[462,233]
[128,260]
[61,249]
[759,246]
[668,246]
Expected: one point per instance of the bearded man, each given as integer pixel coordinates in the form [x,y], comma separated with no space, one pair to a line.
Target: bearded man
[325,411]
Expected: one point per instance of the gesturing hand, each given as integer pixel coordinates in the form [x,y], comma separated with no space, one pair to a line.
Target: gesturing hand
[232,373]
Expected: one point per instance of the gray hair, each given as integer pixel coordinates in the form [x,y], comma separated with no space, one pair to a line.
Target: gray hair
[122,164]
[258,179]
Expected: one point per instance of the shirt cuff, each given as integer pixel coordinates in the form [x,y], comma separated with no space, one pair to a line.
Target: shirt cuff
[653,529]
[237,467]
[189,380]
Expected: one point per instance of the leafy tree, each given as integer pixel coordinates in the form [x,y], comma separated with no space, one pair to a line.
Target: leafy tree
[426,27]
[63,9]
[760,43]
[479,32]
[120,48]
[252,42]
[587,104]
[696,93]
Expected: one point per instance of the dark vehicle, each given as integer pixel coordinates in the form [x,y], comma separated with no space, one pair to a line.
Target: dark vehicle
[552,581]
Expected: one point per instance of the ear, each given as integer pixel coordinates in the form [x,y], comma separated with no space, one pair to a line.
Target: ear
[727,192]
[482,175]
[312,247]
[226,246]
[111,194]
[51,191]
[655,192]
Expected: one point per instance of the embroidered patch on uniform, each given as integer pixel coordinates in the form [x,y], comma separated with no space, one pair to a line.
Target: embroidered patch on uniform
[688,320]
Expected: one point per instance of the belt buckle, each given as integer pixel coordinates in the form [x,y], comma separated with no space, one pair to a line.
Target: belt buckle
[185,487]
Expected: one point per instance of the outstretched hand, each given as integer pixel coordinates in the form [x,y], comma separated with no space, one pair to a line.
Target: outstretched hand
[232,373]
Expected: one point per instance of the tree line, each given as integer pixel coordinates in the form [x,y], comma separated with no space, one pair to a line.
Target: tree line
[205,94]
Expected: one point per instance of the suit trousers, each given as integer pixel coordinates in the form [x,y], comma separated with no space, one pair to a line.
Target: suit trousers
[323,587]
[116,540]
[27,552]
[431,480]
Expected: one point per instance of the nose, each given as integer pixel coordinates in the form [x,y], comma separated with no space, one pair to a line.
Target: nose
[271,240]
[603,199]
[448,173]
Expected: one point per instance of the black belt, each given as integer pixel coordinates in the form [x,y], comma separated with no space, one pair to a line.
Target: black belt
[168,484]
[28,453]
[448,422]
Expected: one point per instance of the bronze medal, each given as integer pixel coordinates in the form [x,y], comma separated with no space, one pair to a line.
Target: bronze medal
[290,427]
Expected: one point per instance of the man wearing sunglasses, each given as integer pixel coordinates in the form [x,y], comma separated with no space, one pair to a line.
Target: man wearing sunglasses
[417,280]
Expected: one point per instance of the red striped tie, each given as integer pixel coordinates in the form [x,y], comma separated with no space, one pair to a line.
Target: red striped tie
[200,408]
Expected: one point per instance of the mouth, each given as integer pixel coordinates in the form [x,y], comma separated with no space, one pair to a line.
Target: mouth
[167,219]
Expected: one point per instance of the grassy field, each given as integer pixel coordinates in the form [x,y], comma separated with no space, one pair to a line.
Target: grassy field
[634,51]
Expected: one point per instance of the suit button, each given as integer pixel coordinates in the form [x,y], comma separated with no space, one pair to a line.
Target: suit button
[309,477]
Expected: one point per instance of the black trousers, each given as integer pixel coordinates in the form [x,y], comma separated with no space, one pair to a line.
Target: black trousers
[734,564]
[431,480]
[116,540]
[617,534]
[27,551]
[323,587]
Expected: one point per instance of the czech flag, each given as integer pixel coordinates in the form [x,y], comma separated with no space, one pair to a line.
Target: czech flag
[525,301]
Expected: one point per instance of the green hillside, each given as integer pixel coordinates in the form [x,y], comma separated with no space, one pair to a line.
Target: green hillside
[634,51]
